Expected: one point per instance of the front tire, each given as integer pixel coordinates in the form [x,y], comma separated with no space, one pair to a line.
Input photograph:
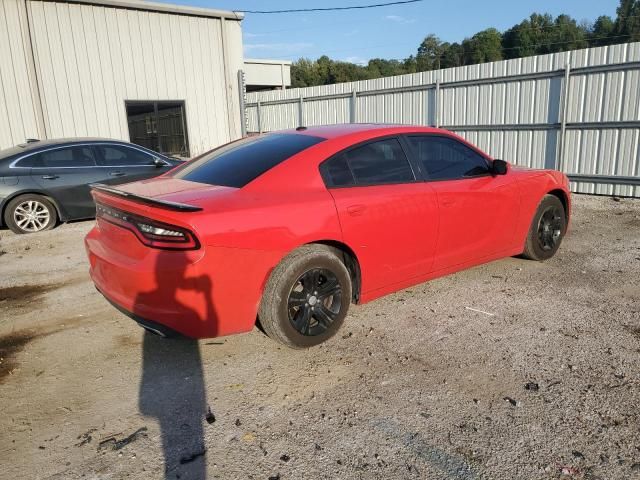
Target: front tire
[306,298]
[547,229]
[29,214]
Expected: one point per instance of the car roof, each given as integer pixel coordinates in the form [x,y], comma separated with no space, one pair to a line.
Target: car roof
[346,129]
[32,145]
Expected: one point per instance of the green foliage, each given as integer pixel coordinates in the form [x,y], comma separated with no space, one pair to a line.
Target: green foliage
[429,54]
[537,35]
[628,21]
[602,30]
[485,46]
[324,71]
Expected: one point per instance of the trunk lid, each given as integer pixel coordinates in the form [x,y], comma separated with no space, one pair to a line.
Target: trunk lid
[174,190]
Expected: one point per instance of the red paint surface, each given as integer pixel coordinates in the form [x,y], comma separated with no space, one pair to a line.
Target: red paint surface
[401,234]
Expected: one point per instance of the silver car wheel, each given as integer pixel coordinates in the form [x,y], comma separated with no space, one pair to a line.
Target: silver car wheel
[31,216]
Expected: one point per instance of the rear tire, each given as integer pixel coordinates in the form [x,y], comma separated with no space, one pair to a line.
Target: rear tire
[30,213]
[306,298]
[547,229]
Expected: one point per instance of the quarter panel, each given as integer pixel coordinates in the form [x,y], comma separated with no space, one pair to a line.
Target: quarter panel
[275,221]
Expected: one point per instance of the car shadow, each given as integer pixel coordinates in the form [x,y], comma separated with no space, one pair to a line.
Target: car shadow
[172,388]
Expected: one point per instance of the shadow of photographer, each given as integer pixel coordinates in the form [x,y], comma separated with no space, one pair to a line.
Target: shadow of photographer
[172,388]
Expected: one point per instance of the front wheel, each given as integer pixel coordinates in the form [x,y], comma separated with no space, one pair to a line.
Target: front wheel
[547,229]
[29,214]
[306,298]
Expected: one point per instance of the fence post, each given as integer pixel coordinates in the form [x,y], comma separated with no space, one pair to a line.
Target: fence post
[259,114]
[243,108]
[563,107]
[353,107]
[436,104]
[301,112]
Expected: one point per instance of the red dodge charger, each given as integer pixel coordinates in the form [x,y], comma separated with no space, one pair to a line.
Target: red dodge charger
[289,228]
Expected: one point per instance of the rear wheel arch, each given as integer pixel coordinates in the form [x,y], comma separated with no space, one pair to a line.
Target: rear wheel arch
[342,250]
[350,259]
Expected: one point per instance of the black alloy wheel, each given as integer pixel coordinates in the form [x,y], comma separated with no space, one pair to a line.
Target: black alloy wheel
[307,297]
[550,227]
[315,301]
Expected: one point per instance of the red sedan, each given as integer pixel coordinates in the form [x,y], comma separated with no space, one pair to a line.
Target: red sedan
[289,228]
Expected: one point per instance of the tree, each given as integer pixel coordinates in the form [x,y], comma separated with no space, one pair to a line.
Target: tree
[304,73]
[566,35]
[601,31]
[324,69]
[484,46]
[529,37]
[340,72]
[410,64]
[452,55]
[627,27]
[429,53]
[379,67]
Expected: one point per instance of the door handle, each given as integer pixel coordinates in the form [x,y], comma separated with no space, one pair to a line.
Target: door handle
[356,210]
[50,177]
[448,203]
[116,174]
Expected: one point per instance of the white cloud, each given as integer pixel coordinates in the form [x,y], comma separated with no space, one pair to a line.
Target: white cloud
[279,48]
[253,35]
[356,60]
[399,19]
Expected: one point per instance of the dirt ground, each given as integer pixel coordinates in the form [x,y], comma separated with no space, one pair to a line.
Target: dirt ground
[420,384]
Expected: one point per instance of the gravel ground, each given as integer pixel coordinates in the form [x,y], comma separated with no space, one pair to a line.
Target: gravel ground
[419,384]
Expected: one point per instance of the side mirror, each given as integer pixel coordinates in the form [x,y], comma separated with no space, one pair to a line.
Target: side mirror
[499,167]
[159,163]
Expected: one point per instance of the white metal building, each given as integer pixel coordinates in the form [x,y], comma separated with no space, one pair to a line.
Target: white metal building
[159,75]
[261,74]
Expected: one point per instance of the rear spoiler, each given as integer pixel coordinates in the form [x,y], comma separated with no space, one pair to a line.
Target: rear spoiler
[166,204]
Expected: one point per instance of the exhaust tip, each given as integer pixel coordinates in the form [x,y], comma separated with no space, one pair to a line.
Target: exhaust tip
[154,331]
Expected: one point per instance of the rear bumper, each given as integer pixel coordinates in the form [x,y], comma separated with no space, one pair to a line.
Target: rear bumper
[154,327]
[210,292]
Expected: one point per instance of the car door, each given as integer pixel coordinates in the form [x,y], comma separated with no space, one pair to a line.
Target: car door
[478,210]
[65,173]
[122,163]
[387,217]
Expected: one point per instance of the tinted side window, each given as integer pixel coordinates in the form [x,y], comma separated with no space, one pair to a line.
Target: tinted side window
[81,156]
[336,172]
[446,159]
[30,161]
[238,163]
[380,162]
[121,156]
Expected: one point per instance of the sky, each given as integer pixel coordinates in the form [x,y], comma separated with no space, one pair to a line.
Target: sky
[385,32]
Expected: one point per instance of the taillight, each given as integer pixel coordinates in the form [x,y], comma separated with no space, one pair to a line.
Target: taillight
[150,232]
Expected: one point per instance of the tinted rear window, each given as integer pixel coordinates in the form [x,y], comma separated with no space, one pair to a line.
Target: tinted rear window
[238,163]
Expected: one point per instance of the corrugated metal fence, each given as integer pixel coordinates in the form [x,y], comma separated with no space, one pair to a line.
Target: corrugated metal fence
[575,111]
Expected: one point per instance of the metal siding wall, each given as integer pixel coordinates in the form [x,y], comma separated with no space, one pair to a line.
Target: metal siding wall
[325,112]
[234,63]
[90,59]
[18,101]
[596,97]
